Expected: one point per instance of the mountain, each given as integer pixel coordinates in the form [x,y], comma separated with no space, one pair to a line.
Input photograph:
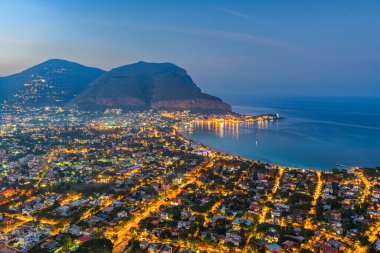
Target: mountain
[147,86]
[53,82]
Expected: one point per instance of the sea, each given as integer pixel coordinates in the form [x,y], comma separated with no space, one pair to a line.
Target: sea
[315,132]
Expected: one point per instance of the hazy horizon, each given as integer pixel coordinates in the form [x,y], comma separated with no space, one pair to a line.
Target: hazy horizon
[266,48]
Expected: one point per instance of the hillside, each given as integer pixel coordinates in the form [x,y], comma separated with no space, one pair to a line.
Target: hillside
[147,86]
[53,82]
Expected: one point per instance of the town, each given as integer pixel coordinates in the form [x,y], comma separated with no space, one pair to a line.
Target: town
[132,182]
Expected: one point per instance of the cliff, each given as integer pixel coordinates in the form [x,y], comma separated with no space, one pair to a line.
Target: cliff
[147,86]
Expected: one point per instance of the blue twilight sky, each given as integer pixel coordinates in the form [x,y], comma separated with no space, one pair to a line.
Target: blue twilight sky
[262,47]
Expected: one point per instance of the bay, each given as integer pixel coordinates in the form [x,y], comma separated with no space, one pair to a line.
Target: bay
[317,132]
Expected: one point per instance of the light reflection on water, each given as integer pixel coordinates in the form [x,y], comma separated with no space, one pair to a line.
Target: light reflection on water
[292,142]
[316,132]
[229,129]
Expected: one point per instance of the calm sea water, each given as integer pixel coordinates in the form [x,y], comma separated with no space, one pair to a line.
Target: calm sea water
[316,132]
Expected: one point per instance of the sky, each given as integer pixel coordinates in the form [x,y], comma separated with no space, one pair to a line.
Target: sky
[256,47]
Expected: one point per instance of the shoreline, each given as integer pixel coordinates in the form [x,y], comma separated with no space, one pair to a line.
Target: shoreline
[299,158]
[212,149]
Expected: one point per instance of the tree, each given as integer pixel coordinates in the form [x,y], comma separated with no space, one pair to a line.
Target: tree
[319,209]
[96,246]
[134,244]
[305,251]
[39,249]
[269,204]
[200,219]
[67,242]
[364,240]
[307,233]
[230,245]
[299,197]
[335,187]
[182,235]
[174,212]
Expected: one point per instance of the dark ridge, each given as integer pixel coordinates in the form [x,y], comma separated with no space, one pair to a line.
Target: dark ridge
[147,86]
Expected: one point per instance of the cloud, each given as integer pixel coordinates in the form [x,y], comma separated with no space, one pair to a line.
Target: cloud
[243,37]
[232,12]
[234,36]
[249,38]
[227,35]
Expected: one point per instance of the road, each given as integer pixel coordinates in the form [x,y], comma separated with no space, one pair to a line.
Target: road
[317,194]
[265,209]
[125,233]
[366,183]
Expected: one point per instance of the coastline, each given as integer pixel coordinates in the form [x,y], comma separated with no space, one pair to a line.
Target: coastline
[276,166]
[317,134]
